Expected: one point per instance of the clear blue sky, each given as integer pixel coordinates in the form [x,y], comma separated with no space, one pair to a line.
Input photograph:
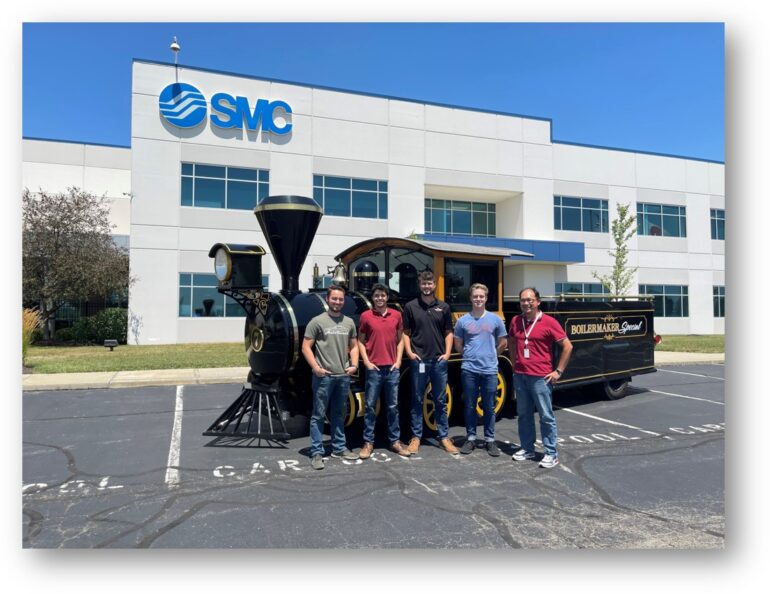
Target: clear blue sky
[656,87]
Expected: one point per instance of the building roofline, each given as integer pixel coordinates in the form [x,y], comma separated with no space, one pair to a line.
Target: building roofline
[76,142]
[636,152]
[341,90]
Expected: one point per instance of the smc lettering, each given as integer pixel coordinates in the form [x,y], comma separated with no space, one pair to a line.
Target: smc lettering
[235,112]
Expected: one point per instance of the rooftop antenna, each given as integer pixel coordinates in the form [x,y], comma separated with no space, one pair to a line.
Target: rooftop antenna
[175,47]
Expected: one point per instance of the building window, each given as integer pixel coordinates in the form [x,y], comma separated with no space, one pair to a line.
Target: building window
[580,214]
[582,289]
[218,186]
[671,301]
[661,219]
[199,298]
[717,223]
[457,217]
[719,302]
[351,197]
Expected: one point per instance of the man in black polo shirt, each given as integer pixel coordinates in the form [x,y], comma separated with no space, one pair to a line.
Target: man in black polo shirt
[428,340]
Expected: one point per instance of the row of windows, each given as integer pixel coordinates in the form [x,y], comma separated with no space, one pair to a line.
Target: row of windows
[348,196]
[661,219]
[199,298]
[672,301]
[239,188]
[460,217]
[582,289]
[580,214]
[717,223]
[212,186]
[592,215]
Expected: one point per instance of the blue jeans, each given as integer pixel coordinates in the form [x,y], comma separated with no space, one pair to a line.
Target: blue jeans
[532,392]
[473,382]
[329,392]
[436,373]
[381,380]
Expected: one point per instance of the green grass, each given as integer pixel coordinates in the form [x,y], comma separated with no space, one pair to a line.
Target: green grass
[64,359]
[71,359]
[708,343]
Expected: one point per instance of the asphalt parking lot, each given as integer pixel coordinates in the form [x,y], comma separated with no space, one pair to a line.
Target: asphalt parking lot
[129,468]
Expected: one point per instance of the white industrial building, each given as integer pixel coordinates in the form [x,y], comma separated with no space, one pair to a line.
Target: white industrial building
[203,152]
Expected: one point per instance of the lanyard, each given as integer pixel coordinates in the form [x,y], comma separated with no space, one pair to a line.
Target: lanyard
[524,327]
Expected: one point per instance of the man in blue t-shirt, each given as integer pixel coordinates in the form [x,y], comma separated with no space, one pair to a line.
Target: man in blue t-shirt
[479,336]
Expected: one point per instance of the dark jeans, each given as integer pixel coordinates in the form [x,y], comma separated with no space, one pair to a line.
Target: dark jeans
[382,380]
[329,392]
[473,382]
[435,372]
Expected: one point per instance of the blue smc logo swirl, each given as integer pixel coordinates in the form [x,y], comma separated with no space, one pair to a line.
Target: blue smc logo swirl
[182,105]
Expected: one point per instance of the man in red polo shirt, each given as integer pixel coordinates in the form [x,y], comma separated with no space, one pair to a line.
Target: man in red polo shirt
[381,346]
[530,338]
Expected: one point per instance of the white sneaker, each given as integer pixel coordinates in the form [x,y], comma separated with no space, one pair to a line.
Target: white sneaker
[522,454]
[549,461]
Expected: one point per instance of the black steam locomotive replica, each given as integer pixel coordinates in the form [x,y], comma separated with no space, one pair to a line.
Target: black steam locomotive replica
[613,338]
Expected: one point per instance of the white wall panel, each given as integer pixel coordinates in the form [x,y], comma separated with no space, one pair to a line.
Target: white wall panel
[50,177]
[406,114]
[45,151]
[407,147]
[153,299]
[347,107]
[661,172]
[291,174]
[350,140]
[508,128]
[536,131]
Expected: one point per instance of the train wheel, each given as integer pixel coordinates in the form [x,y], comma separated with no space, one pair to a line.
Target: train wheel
[615,389]
[429,406]
[500,397]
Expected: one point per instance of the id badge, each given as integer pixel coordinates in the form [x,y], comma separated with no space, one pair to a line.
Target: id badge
[422,367]
[526,353]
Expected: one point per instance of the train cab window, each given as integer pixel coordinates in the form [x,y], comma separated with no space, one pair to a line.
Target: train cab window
[404,266]
[459,275]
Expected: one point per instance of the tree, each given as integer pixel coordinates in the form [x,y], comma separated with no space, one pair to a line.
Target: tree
[67,251]
[621,278]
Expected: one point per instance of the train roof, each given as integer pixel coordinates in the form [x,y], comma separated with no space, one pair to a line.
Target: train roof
[431,246]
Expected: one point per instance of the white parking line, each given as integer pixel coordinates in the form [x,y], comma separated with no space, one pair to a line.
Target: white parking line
[695,374]
[172,470]
[687,397]
[574,412]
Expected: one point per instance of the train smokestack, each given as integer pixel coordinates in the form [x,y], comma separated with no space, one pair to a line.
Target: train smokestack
[289,224]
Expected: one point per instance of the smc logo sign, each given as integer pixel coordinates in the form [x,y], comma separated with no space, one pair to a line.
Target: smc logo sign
[185,106]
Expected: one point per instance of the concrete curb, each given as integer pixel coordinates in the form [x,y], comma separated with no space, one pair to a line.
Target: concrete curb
[233,375]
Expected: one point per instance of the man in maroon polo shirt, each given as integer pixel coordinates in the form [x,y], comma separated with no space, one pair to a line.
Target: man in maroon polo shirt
[380,342]
[530,338]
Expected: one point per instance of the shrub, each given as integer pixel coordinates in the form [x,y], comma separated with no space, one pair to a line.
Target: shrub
[30,321]
[108,323]
[64,335]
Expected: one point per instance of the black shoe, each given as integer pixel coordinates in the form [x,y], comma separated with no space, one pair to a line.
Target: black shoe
[468,446]
[492,449]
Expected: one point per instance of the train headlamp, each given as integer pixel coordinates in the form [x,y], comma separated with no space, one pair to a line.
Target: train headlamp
[238,266]
[223,265]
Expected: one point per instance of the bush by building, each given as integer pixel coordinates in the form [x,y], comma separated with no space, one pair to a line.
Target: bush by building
[108,323]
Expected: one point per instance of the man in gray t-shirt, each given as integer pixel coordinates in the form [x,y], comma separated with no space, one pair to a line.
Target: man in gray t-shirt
[331,349]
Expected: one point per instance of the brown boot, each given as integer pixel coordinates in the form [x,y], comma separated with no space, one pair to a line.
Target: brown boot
[414,445]
[449,446]
[399,448]
[366,451]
